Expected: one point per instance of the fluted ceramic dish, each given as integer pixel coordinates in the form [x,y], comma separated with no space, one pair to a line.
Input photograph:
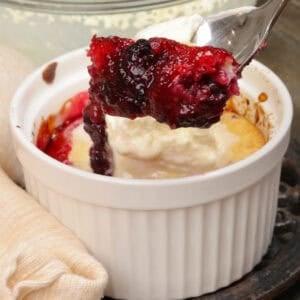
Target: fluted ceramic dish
[158,239]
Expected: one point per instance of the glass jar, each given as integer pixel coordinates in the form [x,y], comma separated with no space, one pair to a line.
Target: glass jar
[42,30]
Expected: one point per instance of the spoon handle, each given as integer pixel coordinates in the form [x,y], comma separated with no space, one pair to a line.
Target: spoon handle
[272,10]
[266,15]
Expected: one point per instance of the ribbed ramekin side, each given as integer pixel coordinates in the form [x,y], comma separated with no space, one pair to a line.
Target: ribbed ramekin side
[171,254]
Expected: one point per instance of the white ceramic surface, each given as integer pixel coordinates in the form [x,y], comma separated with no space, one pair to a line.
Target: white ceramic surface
[159,239]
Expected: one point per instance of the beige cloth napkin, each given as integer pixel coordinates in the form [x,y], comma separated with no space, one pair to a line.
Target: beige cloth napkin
[39,258]
[14,66]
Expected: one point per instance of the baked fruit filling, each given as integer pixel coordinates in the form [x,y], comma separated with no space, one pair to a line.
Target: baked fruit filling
[176,84]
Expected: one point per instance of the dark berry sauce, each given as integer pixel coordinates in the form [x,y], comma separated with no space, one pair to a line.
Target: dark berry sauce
[100,153]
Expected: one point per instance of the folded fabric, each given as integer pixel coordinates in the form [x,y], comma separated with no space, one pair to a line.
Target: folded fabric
[39,258]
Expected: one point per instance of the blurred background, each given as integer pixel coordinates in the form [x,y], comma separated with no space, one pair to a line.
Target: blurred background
[45,29]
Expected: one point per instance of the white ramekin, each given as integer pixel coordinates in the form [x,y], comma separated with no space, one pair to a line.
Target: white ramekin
[158,239]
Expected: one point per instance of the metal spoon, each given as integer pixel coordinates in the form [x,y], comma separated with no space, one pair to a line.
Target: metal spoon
[241,31]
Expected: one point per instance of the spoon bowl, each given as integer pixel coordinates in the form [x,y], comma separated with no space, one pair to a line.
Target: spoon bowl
[241,31]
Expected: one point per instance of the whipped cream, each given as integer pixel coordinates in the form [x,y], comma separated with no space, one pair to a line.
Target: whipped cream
[144,148]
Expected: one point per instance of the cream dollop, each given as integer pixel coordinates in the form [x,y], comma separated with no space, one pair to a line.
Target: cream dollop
[144,148]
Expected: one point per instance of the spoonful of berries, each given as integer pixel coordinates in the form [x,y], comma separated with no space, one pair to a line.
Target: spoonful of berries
[240,31]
